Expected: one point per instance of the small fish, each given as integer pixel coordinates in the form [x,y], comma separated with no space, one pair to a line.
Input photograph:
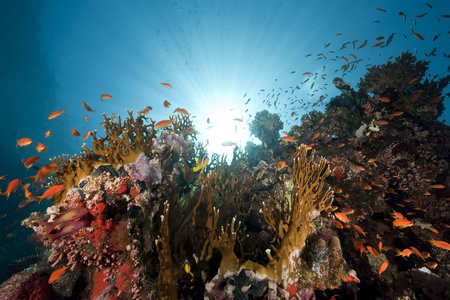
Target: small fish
[363,45]
[315,135]
[41,147]
[379,38]
[380,9]
[181,111]
[11,187]
[406,252]
[337,224]
[359,229]
[378,44]
[75,132]
[436,100]
[437,186]
[342,217]
[282,164]
[431,264]
[47,133]
[23,142]
[384,99]
[383,267]
[360,168]
[44,171]
[166,103]
[87,107]
[418,36]
[86,118]
[381,122]
[389,40]
[164,123]
[51,192]
[56,274]
[105,97]
[56,114]
[396,114]
[87,135]
[260,174]
[435,37]
[30,161]
[402,223]
[201,164]
[167,85]
[402,14]
[440,244]
[187,268]
[288,139]
[25,203]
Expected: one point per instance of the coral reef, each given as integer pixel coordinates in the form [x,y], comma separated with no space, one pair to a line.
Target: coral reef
[266,127]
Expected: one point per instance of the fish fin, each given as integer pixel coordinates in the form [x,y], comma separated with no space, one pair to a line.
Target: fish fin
[196,169]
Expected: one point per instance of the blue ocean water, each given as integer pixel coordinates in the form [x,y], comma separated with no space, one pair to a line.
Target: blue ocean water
[54,55]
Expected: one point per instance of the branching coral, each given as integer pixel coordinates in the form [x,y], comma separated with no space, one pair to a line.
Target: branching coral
[291,215]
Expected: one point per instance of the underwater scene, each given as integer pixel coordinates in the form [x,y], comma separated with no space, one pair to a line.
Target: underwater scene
[223,149]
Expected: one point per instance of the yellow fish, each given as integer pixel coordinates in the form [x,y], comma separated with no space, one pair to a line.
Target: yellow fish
[201,164]
[187,268]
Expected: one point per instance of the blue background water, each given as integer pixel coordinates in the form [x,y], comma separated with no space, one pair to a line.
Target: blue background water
[216,54]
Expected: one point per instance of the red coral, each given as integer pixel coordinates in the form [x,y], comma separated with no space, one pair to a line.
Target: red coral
[99,283]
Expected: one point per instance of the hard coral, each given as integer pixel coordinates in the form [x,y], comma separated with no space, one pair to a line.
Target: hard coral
[266,126]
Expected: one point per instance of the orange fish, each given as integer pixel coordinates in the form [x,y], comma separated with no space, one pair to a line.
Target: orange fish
[384,99]
[87,107]
[417,252]
[341,145]
[181,111]
[28,194]
[432,229]
[411,81]
[288,139]
[167,85]
[342,217]
[30,161]
[281,165]
[315,136]
[358,167]
[307,73]
[366,186]
[164,123]
[406,252]
[56,114]
[105,97]
[363,45]
[51,192]
[75,132]
[47,133]
[402,223]
[381,122]
[425,255]
[373,251]
[396,114]
[44,171]
[87,135]
[436,100]
[11,187]
[56,274]
[320,120]
[23,142]
[353,55]
[431,264]
[440,244]
[359,229]
[41,147]
[437,186]
[380,38]
[383,267]
[337,224]
[86,118]
[166,103]
[378,44]
[260,174]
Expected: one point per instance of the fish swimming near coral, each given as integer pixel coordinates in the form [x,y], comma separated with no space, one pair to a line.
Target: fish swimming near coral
[187,268]
[56,274]
[44,171]
[56,113]
[23,142]
[30,161]
[105,97]
[11,188]
[51,192]
[87,107]
[201,164]
[164,123]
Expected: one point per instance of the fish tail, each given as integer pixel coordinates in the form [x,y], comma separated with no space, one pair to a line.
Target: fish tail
[35,178]
[196,169]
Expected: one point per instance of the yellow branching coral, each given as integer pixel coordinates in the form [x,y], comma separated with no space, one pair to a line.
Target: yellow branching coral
[166,282]
[291,217]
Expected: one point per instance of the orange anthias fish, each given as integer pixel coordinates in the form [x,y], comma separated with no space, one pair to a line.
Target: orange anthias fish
[164,123]
[56,274]
[51,192]
[342,217]
[87,107]
[75,132]
[381,122]
[167,85]
[281,165]
[56,114]
[359,229]
[440,244]
[11,188]
[23,142]
[437,186]
[260,174]
[431,264]
[337,224]
[47,133]
[384,99]
[407,252]
[41,147]
[105,97]
[383,267]
[88,134]
[30,161]
[315,135]
[44,171]
[201,164]
[288,139]
[396,114]
[181,111]
[166,103]
[402,223]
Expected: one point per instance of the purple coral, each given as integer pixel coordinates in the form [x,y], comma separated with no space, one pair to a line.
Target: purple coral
[146,170]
